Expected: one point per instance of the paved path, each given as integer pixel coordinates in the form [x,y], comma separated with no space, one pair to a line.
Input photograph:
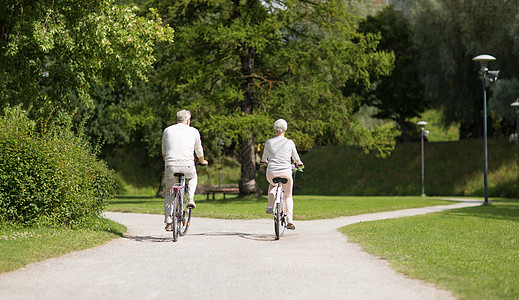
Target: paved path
[223,259]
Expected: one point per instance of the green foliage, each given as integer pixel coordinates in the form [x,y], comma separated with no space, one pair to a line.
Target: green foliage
[51,178]
[300,53]
[399,95]
[439,132]
[53,53]
[449,34]
[451,168]
[504,92]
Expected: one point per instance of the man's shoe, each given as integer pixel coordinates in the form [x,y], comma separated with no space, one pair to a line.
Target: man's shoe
[169,227]
[269,210]
[191,203]
[291,226]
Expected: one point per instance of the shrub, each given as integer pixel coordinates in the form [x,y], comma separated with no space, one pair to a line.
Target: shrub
[51,177]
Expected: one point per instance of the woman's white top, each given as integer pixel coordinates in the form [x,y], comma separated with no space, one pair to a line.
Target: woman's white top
[279,153]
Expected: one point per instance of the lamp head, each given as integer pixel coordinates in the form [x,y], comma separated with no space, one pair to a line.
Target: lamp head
[483,59]
[492,76]
[421,123]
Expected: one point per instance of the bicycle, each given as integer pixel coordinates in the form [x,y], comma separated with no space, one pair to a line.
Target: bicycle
[181,213]
[280,207]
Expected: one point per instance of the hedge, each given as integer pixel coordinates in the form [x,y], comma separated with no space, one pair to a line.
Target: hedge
[49,176]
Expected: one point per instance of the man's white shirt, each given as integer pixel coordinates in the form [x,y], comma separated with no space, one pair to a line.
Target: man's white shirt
[179,142]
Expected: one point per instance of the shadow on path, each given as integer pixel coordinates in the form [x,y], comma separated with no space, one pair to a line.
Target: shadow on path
[162,239]
[249,236]
[148,238]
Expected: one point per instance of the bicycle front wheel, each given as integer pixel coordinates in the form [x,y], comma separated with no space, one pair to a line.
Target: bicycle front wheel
[185,220]
[282,218]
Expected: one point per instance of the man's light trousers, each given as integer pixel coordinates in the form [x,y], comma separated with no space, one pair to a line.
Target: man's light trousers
[191,182]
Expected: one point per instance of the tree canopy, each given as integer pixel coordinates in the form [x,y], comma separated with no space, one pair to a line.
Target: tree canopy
[399,96]
[240,65]
[52,53]
[449,34]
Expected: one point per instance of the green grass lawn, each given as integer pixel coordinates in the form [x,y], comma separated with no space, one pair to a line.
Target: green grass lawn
[305,207]
[25,245]
[473,252]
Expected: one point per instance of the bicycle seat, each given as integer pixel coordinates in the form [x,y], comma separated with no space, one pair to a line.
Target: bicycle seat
[179,174]
[280,179]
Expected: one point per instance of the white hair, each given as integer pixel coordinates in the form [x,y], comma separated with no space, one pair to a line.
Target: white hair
[183,115]
[280,126]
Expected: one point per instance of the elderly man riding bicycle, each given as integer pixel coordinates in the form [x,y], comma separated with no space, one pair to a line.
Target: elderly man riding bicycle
[179,142]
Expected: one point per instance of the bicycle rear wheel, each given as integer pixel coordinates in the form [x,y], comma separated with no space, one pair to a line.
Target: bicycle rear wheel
[185,219]
[277,220]
[176,210]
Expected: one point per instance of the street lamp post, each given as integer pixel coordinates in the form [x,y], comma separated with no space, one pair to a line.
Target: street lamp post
[515,104]
[220,146]
[491,76]
[423,133]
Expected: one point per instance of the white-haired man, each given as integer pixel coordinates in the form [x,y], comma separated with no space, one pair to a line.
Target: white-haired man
[179,142]
[278,154]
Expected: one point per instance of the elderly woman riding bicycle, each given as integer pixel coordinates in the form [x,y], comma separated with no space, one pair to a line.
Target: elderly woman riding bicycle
[278,154]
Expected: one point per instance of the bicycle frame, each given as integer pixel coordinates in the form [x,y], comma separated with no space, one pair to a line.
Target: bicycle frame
[280,211]
[181,214]
[180,222]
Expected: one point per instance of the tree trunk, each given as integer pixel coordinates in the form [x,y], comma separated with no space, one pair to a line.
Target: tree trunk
[162,188]
[247,182]
[404,135]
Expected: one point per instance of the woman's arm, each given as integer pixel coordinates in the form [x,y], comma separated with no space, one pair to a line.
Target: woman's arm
[295,155]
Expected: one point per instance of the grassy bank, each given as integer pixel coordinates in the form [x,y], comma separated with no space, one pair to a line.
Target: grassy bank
[21,246]
[451,168]
[473,252]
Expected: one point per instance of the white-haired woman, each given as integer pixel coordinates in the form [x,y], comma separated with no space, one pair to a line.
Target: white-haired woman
[278,154]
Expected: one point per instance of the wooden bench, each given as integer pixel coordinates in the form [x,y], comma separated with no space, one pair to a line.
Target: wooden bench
[221,190]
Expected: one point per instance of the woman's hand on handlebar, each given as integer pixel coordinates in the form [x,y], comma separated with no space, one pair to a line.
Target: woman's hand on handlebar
[298,167]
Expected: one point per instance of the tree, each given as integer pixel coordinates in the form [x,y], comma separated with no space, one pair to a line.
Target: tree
[399,95]
[449,34]
[240,65]
[52,53]
[504,91]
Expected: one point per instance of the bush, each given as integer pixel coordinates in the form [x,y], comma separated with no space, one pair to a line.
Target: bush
[51,177]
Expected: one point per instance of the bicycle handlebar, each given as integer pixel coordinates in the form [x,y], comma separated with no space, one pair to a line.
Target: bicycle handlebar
[295,167]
